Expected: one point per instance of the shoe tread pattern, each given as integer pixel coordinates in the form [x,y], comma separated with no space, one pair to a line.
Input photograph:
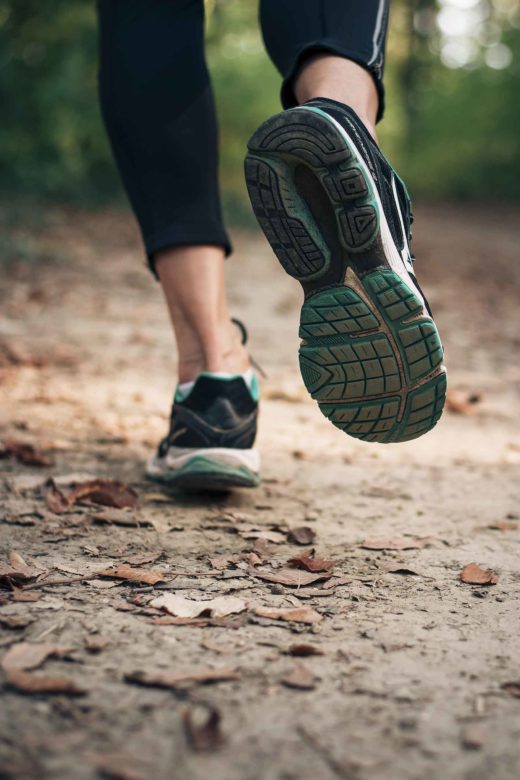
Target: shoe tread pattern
[377,375]
[303,137]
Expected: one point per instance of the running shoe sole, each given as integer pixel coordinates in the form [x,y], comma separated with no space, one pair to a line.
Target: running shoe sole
[209,469]
[370,353]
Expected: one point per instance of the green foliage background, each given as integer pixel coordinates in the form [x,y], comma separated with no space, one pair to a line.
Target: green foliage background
[453,133]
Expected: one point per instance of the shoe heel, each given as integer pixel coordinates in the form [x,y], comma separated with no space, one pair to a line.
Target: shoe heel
[298,167]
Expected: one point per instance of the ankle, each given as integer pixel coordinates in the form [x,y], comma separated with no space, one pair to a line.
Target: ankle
[338,78]
[224,352]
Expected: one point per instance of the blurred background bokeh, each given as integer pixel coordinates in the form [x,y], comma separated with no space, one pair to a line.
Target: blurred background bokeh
[451,127]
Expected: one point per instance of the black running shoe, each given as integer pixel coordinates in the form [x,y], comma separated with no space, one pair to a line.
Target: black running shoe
[339,218]
[212,432]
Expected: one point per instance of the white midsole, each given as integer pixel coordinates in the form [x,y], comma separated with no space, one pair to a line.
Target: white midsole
[392,253]
[177,457]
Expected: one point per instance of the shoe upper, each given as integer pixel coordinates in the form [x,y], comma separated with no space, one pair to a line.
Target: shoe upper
[217,412]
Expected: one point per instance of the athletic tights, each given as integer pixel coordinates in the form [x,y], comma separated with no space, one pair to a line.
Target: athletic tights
[158,106]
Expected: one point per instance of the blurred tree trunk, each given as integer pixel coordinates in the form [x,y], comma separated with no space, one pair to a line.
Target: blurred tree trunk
[415,68]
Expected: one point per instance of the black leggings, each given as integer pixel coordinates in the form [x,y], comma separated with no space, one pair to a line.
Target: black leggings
[158,105]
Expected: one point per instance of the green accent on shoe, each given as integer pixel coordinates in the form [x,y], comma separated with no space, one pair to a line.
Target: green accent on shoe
[372,358]
[254,388]
[202,473]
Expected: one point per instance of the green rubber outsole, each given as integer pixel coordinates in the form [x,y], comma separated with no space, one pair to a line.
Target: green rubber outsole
[203,474]
[373,359]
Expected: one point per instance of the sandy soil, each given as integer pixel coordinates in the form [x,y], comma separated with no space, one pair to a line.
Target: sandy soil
[412,680]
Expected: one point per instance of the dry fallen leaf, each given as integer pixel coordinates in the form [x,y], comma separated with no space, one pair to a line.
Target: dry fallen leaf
[336,581]
[129,574]
[512,688]
[16,560]
[24,453]
[189,608]
[250,531]
[25,682]
[295,615]
[397,543]
[203,736]
[462,402]
[176,679]
[308,562]
[107,492]
[301,535]
[293,578]
[95,643]
[119,517]
[474,575]
[302,650]
[118,766]
[18,574]
[139,559]
[301,678]
[55,499]
[503,525]
[236,621]
[473,736]
[398,568]
[15,622]
[26,655]
[17,594]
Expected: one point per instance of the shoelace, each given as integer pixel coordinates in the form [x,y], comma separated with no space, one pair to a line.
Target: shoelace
[245,336]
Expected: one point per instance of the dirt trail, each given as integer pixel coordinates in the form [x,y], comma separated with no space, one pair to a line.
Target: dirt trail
[410,682]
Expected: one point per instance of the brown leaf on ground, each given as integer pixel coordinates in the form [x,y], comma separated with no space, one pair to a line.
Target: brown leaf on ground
[122,606]
[55,499]
[336,582]
[263,535]
[26,655]
[170,620]
[203,736]
[95,643]
[237,621]
[17,594]
[119,517]
[461,401]
[398,568]
[292,578]
[308,562]
[300,678]
[107,492]
[25,682]
[512,688]
[301,535]
[15,622]
[177,679]
[16,574]
[302,650]
[118,766]
[24,453]
[142,558]
[397,543]
[291,615]
[263,549]
[252,559]
[16,560]
[472,574]
[190,608]
[503,525]
[129,574]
